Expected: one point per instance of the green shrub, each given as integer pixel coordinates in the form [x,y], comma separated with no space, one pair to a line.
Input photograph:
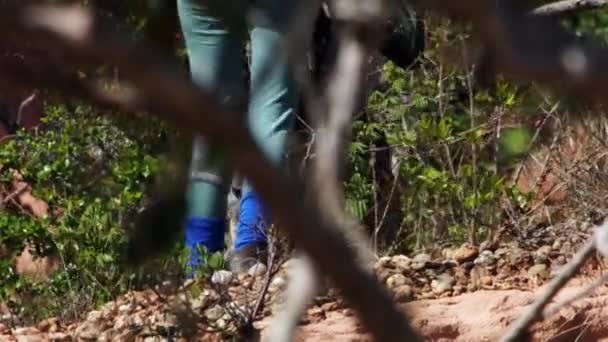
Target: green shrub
[93,170]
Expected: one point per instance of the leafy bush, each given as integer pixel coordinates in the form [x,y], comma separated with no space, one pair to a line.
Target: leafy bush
[93,170]
[448,167]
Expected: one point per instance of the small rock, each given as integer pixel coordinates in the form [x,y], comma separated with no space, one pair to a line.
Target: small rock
[486,280]
[89,331]
[330,306]
[402,262]
[257,270]
[222,277]
[500,252]
[385,261]
[94,316]
[542,254]
[168,321]
[198,302]
[214,313]
[420,261]
[557,244]
[396,280]
[443,283]
[403,293]
[486,245]
[121,322]
[59,337]
[485,258]
[316,313]
[46,324]
[26,331]
[448,253]
[539,270]
[242,277]
[29,338]
[422,258]
[126,308]
[516,255]
[277,284]
[464,253]
[221,324]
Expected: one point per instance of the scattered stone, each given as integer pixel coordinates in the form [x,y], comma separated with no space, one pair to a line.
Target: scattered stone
[89,331]
[330,306]
[396,280]
[214,313]
[485,258]
[516,255]
[121,322]
[448,253]
[126,308]
[402,262]
[486,245]
[539,270]
[277,284]
[442,284]
[420,261]
[385,261]
[29,338]
[46,324]
[59,337]
[464,253]
[25,331]
[486,281]
[542,254]
[198,302]
[94,316]
[220,324]
[316,313]
[222,277]
[257,270]
[168,321]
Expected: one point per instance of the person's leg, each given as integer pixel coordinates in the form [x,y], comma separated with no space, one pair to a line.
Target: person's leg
[214,54]
[271,108]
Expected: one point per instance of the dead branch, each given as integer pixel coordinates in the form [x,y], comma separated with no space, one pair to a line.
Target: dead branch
[163,90]
[583,293]
[330,150]
[520,329]
[569,7]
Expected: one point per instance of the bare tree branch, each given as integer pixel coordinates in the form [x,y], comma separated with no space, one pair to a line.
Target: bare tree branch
[583,293]
[165,91]
[519,329]
[569,7]
[333,129]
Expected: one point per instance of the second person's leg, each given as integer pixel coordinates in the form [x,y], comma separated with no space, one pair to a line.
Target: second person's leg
[214,54]
[271,109]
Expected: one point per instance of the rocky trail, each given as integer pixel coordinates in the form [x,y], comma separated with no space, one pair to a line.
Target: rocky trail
[454,294]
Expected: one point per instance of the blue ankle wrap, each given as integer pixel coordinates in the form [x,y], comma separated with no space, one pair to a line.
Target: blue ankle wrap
[205,232]
[253,218]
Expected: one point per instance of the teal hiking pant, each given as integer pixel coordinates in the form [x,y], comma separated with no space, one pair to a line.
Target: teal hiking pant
[216,62]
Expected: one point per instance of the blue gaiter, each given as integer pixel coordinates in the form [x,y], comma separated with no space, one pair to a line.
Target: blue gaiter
[204,232]
[253,218]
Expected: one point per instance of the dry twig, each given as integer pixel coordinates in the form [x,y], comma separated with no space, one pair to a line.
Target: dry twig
[519,329]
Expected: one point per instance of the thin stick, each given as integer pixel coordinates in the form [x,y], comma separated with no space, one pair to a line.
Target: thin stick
[519,329]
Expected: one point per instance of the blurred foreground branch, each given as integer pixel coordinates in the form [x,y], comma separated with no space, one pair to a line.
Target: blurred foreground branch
[569,6]
[164,90]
